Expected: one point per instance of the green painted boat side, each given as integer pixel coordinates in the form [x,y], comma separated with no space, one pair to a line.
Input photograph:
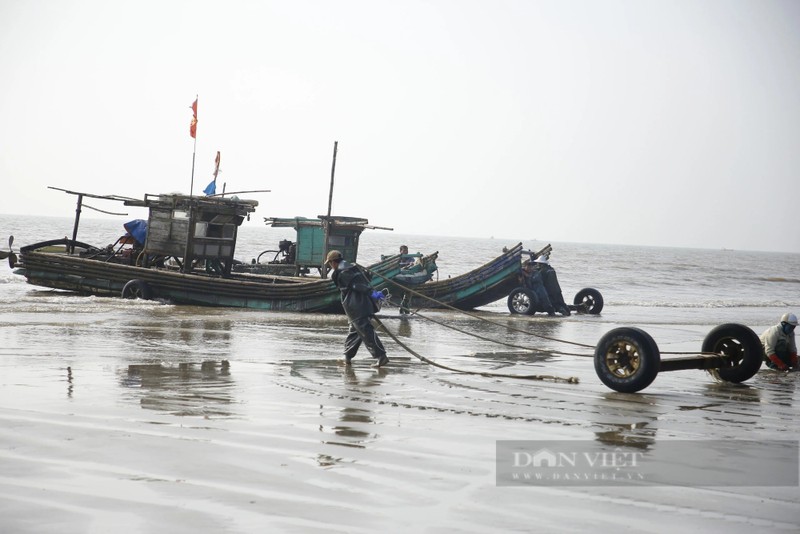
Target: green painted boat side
[263,292]
[47,265]
[479,287]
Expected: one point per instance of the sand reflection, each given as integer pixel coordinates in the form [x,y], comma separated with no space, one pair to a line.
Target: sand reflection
[355,418]
[185,389]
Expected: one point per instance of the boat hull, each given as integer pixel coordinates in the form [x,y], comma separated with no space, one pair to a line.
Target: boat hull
[481,286]
[94,277]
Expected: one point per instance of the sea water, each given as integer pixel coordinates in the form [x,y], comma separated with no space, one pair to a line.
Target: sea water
[650,277]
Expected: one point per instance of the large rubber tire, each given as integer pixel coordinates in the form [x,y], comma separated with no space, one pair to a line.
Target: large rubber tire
[522,301]
[627,359]
[588,300]
[741,345]
[137,289]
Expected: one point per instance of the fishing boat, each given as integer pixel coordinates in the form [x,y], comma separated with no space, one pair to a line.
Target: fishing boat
[183,253]
[481,286]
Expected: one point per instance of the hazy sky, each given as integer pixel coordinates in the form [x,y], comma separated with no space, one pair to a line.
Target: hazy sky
[673,123]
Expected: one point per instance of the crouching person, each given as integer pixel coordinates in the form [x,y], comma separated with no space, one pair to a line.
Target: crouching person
[357,300]
[780,348]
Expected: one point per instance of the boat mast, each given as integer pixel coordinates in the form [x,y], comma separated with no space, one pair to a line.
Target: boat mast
[71,247]
[326,224]
[333,170]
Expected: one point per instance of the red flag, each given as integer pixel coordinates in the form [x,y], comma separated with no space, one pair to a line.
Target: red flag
[193,124]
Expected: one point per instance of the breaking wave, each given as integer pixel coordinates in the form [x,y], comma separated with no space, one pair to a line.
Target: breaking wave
[707,304]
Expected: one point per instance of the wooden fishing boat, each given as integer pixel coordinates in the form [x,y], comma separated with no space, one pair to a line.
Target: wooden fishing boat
[481,286]
[186,257]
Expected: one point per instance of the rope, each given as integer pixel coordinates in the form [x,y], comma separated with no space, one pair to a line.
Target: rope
[553,378]
[514,329]
[484,338]
[484,319]
[570,380]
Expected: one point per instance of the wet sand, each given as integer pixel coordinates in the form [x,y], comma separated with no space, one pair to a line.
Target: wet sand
[150,418]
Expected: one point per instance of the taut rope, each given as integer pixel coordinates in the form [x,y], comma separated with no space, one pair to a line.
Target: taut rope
[508,327]
[553,378]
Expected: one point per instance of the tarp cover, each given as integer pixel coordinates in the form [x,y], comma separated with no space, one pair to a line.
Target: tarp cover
[138,229]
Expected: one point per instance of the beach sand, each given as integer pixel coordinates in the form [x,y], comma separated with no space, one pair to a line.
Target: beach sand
[150,418]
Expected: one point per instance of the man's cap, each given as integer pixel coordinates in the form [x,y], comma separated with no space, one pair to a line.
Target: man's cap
[333,255]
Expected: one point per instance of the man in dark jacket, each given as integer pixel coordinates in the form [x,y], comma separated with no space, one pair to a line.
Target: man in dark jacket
[532,280]
[357,301]
[550,280]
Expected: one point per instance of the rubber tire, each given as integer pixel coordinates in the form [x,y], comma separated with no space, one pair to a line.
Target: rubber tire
[588,300]
[137,289]
[742,345]
[521,301]
[637,340]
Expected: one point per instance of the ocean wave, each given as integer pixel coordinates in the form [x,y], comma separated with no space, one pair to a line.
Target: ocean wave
[9,277]
[707,304]
[781,280]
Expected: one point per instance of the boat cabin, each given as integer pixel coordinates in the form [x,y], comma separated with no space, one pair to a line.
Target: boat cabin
[315,237]
[193,229]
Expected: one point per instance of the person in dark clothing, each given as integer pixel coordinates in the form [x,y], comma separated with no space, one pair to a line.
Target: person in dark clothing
[532,279]
[550,280]
[405,259]
[357,300]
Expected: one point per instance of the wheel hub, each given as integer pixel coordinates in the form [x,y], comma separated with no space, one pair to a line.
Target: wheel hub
[732,349]
[623,359]
[521,302]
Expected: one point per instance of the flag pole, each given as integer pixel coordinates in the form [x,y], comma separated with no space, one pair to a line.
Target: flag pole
[194,151]
[193,132]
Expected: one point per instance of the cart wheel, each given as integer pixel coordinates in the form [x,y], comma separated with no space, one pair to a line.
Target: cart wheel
[627,359]
[741,345]
[588,300]
[522,301]
[137,289]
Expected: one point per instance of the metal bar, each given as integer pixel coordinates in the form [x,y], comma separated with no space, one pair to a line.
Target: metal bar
[694,362]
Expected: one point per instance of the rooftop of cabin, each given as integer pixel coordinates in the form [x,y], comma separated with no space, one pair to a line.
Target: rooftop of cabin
[218,204]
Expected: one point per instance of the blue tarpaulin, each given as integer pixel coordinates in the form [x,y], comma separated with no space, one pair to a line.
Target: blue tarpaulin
[138,229]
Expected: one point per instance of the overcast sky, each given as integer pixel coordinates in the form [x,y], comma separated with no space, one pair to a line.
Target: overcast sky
[670,123]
